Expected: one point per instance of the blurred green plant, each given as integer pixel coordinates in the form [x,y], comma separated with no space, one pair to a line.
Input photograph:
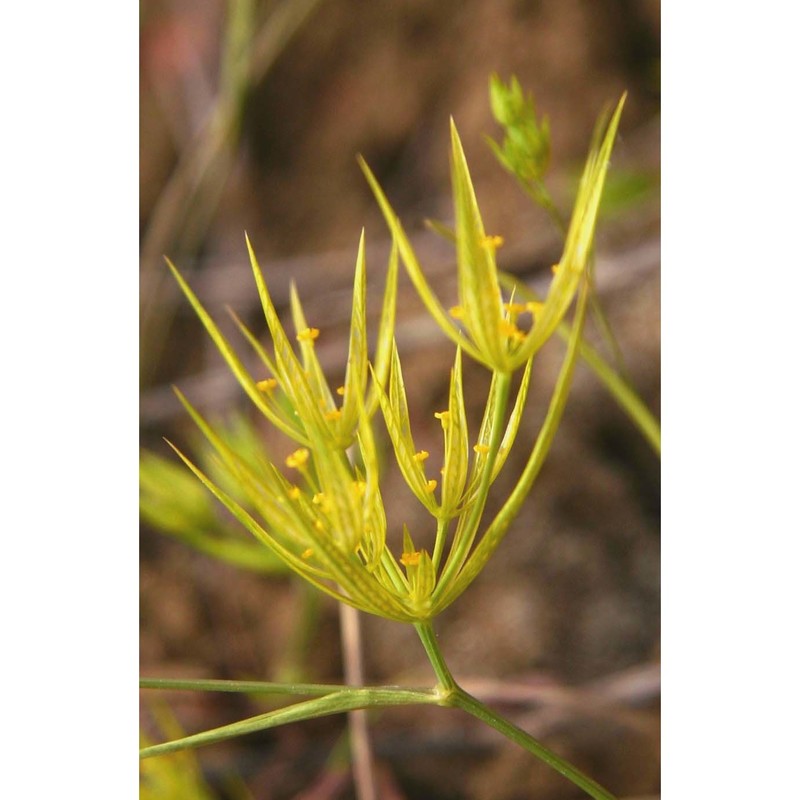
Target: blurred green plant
[249,47]
[179,775]
[319,508]
[173,502]
[525,149]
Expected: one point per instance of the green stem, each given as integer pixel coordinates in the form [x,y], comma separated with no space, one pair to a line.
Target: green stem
[466,535]
[451,694]
[447,683]
[441,536]
[347,699]
[626,397]
[248,687]
[466,702]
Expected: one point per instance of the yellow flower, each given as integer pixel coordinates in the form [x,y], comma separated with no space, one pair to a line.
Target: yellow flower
[297,459]
[484,333]
[308,335]
[267,385]
[339,516]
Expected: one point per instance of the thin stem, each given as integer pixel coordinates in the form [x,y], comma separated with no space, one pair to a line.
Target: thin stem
[441,536]
[466,702]
[247,687]
[346,699]
[427,635]
[451,694]
[630,402]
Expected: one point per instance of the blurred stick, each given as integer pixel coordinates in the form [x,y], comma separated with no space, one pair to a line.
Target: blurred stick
[191,196]
[360,746]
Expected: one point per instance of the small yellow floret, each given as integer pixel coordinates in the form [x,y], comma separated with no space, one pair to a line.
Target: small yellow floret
[360,487]
[534,307]
[421,456]
[318,525]
[514,308]
[267,385]
[483,449]
[308,335]
[307,553]
[297,459]
[511,330]
[332,415]
[340,391]
[323,501]
[554,269]
[430,486]
[457,312]
[444,416]
[492,241]
[410,559]
[294,493]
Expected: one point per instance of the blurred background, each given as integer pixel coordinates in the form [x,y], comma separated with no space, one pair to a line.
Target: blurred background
[251,116]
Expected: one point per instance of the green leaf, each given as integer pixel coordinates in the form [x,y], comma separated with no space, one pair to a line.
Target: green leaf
[513,421]
[355,380]
[478,287]
[578,246]
[291,374]
[456,444]
[242,375]
[383,348]
[395,414]
[313,369]
[414,269]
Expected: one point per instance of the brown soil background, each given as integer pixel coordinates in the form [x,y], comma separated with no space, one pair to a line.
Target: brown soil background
[561,631]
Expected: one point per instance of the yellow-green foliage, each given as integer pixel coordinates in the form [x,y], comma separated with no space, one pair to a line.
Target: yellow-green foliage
[318,507]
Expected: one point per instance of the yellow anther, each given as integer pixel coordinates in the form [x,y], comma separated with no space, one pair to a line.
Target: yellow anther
[323,501]
[308,334]
[534,307]
[430,486]
[554,269]
[410,559]
[297,459]
[332,415]
[267,385]
[307,553]
[492,241]
[360,487]
[514,308]
[457,312]
[294,493]
[421,456]
[444,416]
[483,449]
[340,391]
[511,330]
[318,525]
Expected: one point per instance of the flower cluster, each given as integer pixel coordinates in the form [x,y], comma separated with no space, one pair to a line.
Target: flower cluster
[319,506]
